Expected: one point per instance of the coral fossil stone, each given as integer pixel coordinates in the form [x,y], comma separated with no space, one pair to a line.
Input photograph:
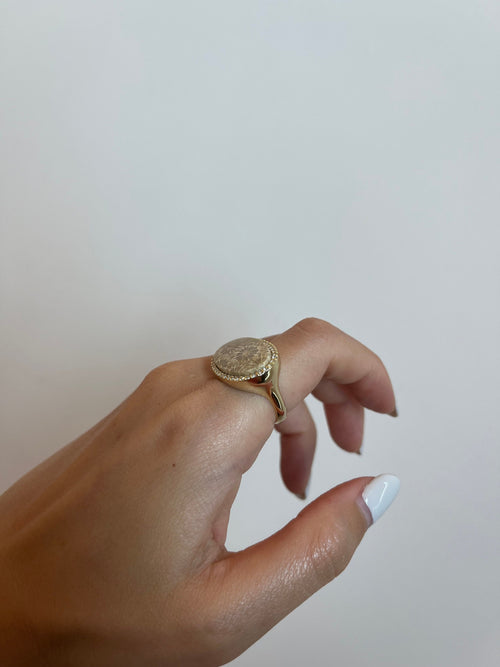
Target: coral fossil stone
[243,356]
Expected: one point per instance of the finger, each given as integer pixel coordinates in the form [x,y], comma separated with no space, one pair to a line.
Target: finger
[314,351]
[315,357]
[344,414]
[298,442]
[259,586]
[236,424]
[345,423]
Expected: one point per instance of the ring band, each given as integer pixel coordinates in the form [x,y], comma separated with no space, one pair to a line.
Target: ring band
[251,364]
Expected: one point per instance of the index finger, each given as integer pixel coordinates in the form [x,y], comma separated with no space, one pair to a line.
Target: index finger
[317,357]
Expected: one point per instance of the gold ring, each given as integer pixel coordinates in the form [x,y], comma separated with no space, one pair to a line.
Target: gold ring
[251,364]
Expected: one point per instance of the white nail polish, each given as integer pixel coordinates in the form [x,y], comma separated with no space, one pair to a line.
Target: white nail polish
[380,493]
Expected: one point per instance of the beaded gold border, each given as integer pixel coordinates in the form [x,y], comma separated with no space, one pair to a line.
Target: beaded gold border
[258,373]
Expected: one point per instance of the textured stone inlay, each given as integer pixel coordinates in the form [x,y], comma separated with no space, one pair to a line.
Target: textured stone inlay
[244,358]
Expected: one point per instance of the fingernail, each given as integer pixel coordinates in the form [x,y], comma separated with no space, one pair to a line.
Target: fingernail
[379,494]
[304,494]
[394,413]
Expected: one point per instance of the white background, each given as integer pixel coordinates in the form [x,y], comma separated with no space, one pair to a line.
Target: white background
[177,174]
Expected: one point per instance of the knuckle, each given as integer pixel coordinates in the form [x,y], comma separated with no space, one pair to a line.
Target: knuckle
[315,327]
[160,375]
[379,364]
[322,558]
[329,552]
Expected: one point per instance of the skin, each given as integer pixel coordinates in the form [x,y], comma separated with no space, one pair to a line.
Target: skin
[112,550]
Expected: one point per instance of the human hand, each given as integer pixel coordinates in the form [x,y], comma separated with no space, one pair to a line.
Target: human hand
[112,550]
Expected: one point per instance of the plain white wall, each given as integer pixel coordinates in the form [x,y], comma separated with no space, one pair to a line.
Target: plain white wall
[176,174]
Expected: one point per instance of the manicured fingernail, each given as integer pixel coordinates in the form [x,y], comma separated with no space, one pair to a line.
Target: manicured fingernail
[394,413]
[379,494]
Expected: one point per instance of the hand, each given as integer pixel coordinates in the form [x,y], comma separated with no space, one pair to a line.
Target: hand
[112,550]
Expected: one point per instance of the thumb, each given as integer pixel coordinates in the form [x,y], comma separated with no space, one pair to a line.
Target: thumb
[262,584]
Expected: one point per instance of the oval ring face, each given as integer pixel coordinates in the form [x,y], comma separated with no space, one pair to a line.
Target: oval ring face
[244,358]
